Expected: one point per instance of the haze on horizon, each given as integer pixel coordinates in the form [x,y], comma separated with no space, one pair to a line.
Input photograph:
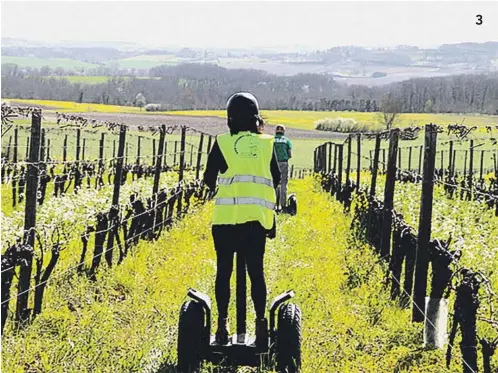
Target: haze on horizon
[299,25]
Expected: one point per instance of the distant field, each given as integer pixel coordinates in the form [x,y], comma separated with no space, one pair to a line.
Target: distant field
[295,119]
[36,62]
[67,106]
[149,61]
[306,119]
[137,62]
[85,79]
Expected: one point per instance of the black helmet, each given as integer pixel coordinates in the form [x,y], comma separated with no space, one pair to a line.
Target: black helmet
[242,112]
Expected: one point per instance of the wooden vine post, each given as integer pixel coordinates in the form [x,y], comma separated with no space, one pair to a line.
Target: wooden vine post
[481,167]
[113,214]
[410,159]
[22,313]
[175,153]
[77,159]
[9,146]
[42,146]
[64,149]
[358,160]
[139,139]
[14,159]
[157,173]
[101,161]
[471,169]
[182,167]
[336,148]
[389,195]
[450,159]
[421,149]
[425,221]
[199,157]
[315,160]
[153,151]
[330,157]
[27,148]
[348,164]
[48,150]
[339,169]
[210,140]
[375,166]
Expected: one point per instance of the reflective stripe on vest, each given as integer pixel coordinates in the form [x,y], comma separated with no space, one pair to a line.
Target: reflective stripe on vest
[245,179]
[245,201]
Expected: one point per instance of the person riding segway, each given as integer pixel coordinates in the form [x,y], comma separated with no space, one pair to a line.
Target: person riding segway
[283,149]
[243,212]
[244,165]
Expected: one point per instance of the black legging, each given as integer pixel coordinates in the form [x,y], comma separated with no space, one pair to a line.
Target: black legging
[248,239]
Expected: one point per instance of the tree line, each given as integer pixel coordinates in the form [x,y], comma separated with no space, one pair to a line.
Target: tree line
[207,86]
[12,69]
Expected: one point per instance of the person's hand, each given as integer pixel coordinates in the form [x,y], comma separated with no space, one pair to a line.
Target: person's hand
[272,233]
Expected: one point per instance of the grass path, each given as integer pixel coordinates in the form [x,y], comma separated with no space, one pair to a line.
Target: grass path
[127,321]
[349,325]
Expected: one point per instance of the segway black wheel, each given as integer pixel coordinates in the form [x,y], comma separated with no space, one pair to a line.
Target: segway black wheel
[288,347]
[292,205]
[190,329]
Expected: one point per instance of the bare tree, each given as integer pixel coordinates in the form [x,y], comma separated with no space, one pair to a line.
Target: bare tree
[140,100]
[390,110]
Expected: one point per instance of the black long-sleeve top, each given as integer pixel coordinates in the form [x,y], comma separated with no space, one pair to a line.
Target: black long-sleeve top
[216,164]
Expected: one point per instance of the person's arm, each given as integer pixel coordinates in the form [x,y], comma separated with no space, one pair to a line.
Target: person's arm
[275,170]
[289,148]
[215,164]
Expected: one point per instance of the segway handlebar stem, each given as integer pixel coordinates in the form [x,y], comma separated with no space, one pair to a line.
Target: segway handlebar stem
[277,301]
[201,298]
[205,301]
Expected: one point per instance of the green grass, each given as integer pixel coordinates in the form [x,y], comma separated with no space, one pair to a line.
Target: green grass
[53,63]
[127,320]
[302,152]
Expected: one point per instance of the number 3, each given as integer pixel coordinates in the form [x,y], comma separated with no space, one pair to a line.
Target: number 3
[479,19]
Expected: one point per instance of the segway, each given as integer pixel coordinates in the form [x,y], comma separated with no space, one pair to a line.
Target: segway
[291,207]
[196,344]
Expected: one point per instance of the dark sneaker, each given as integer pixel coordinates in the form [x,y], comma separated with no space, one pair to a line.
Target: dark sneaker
[221,336]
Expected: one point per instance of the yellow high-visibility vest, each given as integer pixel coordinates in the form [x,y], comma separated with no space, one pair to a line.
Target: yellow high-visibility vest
[245,190]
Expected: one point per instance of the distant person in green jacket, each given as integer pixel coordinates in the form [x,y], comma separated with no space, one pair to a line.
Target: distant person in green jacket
[283,149]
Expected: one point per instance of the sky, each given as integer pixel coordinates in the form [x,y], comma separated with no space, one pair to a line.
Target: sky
[310,25]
